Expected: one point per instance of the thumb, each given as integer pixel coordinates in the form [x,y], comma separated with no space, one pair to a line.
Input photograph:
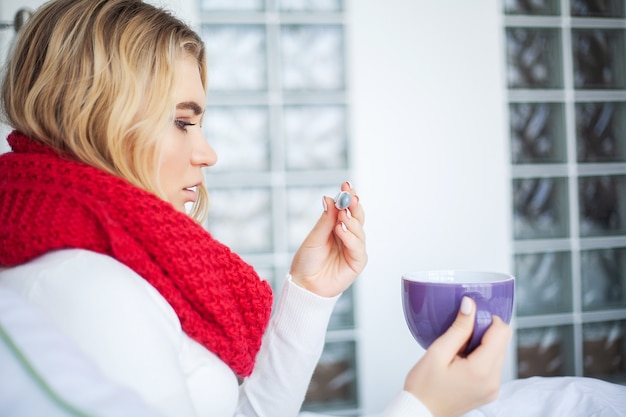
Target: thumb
[454,339]
[324,226]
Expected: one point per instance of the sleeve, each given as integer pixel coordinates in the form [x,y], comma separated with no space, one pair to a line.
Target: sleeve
[405,404]
[117,319]
[291,348]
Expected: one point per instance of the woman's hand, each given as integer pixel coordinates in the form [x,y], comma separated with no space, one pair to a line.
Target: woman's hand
[333,254]
[448,384]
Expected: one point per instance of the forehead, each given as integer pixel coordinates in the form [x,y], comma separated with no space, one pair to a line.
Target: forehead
[188,86]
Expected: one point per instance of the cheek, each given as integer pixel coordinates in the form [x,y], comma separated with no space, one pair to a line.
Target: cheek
[171,161]
[172,165]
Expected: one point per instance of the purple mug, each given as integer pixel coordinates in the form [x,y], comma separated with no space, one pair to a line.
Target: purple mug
[431,301]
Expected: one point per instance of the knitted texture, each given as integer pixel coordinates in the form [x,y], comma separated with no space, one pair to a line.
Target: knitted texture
[48,203]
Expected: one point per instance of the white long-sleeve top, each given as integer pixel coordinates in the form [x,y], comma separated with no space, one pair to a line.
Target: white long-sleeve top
[134,336]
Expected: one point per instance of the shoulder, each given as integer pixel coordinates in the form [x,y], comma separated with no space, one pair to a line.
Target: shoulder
[112,315]
[69,263]
[71,279]
[66,262]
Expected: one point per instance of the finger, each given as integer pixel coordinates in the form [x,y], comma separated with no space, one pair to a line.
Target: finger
[341,219]
[448,345]
[356,210]
[494,342]
[351,234]
[355,207]
[350,223]
[325,224]
[353,247]
[349,228]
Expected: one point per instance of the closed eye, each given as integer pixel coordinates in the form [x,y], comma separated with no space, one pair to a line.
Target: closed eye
[182,125]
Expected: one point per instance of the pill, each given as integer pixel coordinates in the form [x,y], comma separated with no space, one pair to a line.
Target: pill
[343,200]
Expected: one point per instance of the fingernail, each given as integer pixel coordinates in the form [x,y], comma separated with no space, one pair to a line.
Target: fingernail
[348,213]
[349,184]
[324,204]
[466,306]
[343,227]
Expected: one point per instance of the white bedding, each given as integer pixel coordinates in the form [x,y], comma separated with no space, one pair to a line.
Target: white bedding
[551,397]
[555,397]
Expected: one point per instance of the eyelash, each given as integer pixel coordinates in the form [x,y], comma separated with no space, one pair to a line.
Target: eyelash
[182,125]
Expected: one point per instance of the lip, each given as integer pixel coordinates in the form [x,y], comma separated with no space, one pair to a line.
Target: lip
[191,193]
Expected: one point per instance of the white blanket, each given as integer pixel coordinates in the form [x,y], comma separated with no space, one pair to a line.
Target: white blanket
[550,397]
[556,397]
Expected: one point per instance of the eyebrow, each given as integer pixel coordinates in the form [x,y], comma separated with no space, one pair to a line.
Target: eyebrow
[190,105]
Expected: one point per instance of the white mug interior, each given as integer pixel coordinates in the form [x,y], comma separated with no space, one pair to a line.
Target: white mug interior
[457,276]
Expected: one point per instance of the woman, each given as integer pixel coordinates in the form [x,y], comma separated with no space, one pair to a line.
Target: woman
[106,98]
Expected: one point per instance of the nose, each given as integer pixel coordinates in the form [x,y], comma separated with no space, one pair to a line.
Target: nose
[202,153]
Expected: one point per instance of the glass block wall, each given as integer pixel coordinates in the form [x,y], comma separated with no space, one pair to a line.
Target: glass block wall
[566,80]
[277,116]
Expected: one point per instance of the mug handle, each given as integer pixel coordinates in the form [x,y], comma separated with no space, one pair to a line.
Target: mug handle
[482,322]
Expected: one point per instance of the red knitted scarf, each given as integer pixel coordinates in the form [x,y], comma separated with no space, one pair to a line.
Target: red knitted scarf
[48,203]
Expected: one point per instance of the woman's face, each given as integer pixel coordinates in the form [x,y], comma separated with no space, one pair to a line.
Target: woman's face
[184,149]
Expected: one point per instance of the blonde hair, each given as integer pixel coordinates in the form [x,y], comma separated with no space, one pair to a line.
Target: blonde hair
[92,78]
